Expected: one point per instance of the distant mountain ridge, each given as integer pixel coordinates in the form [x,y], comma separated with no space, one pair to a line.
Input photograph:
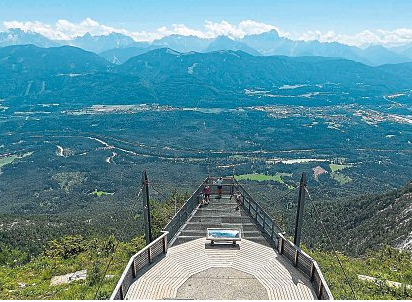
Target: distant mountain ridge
[72,74]
[32,60]
[266,44]
[19,37]
[225,43]
[101,43]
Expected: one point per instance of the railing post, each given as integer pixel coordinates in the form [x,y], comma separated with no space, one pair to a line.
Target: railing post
[264,222]
[281,243]
[149,254]
[320,289]
[133,270]
[299,213]
[121,292]
[273,229]
[165,244]
[146,208]
[312,272]
[296,257]
[232,188]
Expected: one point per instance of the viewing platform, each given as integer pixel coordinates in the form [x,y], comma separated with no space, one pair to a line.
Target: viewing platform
[182,263]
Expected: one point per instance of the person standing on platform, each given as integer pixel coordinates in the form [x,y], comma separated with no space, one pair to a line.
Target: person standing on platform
[219,183]
[206,193]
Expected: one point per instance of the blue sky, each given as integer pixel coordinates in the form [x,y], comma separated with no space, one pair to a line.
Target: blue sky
[295,18]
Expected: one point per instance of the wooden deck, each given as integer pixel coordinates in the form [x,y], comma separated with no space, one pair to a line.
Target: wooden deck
[281,280]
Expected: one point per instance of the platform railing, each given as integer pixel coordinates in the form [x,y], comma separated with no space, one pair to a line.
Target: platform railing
[294,254]
[137,262]
[259,215]
[181,216]
[268,226]
[307,265]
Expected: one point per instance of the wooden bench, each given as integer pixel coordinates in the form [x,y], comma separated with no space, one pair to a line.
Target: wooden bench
[223,234]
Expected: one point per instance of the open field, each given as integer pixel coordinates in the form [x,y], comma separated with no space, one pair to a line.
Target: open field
[336,167]
[7,160]
[262,177]
[100,193]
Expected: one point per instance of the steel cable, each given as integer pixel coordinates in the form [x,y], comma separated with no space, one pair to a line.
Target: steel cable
[331,243]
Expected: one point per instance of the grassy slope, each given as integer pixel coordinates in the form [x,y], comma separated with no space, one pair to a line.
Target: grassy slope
[32,280]
[384,264]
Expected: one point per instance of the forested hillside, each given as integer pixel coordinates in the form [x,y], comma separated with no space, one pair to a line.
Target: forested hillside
[31,74]
[366,222]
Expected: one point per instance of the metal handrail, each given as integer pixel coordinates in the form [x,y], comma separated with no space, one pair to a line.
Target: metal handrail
[181,216]
[256,211]
[306,264]
[130,272]
[301,260]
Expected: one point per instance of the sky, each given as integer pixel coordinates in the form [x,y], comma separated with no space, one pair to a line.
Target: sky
[354,22]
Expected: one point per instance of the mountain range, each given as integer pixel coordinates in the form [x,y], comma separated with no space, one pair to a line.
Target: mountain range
[118,48]
[32,73]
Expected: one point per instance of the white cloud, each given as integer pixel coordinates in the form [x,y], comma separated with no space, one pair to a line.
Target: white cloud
[65,30]
[182,29]
[246,27]
[383,37]
[249,27]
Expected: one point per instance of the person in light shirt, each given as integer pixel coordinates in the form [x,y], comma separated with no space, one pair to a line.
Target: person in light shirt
[219,183]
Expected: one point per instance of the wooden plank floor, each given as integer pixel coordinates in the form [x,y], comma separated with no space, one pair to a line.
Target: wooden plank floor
[281,280]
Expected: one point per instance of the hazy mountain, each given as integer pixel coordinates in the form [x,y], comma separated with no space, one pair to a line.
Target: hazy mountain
[403,70]
[404,50]
[239,69]
[270,43]
[400,49]
[121,55]
[183,43]
[378,55]
[72,74]
[31,61]
[408,53]
[102,43]
[267,44]
[225,43]
[17,36]
[332,49]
